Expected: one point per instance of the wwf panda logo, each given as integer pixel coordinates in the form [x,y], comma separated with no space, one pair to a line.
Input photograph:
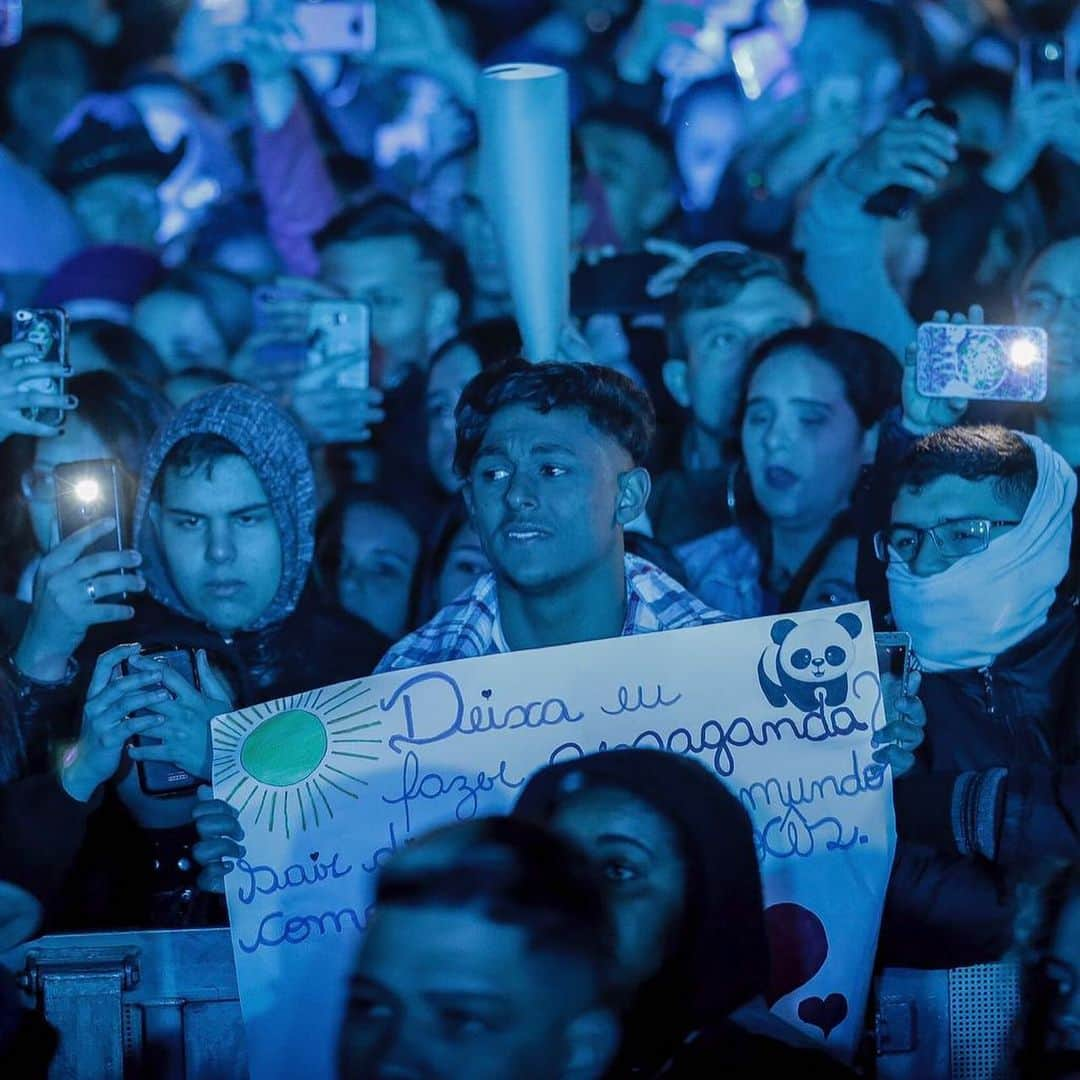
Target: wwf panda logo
[808,662]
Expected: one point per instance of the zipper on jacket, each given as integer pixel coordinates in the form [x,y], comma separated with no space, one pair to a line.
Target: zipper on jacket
[988,690]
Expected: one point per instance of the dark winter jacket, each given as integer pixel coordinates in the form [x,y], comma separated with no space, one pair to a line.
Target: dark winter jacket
[131,876]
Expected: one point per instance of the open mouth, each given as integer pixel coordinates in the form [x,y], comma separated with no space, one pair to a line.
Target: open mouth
[779,478]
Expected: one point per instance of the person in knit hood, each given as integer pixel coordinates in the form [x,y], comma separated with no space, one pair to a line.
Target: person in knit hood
[225,523]
[692,957]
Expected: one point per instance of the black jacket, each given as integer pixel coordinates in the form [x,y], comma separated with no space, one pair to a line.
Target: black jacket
[1019,713]
[108,873]
[314,646]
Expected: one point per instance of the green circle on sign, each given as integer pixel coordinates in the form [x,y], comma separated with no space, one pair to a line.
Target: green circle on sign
[285,749]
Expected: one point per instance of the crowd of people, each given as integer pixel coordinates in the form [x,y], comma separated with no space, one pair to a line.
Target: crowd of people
[767,201]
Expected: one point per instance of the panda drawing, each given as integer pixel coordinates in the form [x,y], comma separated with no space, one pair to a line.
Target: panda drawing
[809,662]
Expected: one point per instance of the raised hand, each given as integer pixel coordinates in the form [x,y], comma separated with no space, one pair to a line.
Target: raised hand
[905,728]
[185,714]
[912,151]
[70,594]
[218,826]
[106,721]
[658,24]
[330,412]
[16,395]
[925,415]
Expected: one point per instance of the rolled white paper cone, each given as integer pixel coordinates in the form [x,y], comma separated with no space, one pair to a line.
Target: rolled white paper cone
[524,113]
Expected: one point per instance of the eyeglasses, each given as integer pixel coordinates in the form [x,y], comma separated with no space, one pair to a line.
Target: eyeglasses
[953,539]
[1041,306]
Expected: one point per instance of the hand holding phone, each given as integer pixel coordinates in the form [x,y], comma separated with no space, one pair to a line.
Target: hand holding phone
[21,398]
[330,412]
[109,720]
[72,592]
[1046,59]
[905,718]
[45,333]
[982,363]
[179,752]
[913,156]
[340,331]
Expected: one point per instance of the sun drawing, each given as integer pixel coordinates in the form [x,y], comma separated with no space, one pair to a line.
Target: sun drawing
[292,760]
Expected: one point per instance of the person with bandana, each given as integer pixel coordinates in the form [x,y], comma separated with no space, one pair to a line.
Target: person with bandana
[978,567]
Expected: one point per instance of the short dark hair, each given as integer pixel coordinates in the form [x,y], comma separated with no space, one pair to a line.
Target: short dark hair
[516,873]
[717,279]
[203,450]
[384,216]
[869,372]
[974,453]
[610,400]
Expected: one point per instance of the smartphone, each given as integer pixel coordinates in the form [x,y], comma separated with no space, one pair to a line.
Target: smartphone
[47,329]
[11,22]
[1046,59]
[896,200]
[762,61]
[88,491]
[894,656]
[325,27]
[340,328]
[280,319]
[983,363]
[163,778]
[616,286]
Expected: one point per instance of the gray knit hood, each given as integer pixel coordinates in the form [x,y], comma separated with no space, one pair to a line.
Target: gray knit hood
[265,434]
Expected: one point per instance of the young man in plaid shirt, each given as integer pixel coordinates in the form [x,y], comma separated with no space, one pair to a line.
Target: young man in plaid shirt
[551,455]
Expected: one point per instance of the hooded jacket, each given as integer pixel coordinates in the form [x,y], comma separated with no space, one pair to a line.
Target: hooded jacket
[275,450]
[110,872]
[293,645]
[678,1023]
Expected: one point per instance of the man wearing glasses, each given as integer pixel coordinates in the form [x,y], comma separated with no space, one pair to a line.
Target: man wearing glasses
[978,568]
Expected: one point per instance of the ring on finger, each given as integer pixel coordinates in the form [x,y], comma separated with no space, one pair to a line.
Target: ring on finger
[91,591]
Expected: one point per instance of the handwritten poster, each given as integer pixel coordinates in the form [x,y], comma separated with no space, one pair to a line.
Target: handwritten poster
[330,783]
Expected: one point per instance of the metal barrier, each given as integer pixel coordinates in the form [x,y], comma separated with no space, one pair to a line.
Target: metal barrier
[159,1004]
[164,1004]
[952,1025]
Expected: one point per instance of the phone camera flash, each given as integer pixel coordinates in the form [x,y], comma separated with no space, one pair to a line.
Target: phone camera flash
[87,491]
[1023,353]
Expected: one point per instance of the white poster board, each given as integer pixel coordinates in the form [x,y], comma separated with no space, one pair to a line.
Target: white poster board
[331,782]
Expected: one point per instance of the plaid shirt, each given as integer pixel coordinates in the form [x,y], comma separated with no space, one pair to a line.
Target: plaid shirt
[467,627]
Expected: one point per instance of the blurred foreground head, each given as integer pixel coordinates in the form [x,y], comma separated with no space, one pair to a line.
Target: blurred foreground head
[487,956]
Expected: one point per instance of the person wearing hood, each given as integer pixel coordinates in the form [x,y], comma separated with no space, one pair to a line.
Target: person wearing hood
[978,566]
[224,527]
[676,849]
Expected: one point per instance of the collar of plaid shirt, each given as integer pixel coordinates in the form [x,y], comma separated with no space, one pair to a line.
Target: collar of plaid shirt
[466,627]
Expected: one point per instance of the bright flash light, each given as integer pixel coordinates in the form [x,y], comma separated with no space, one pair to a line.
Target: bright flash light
[87,491]
[1023,353]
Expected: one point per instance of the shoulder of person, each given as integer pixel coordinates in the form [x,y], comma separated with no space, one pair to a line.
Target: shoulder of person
[731,546]
[462,629]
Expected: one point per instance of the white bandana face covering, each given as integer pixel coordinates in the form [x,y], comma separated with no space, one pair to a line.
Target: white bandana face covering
[980,606]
